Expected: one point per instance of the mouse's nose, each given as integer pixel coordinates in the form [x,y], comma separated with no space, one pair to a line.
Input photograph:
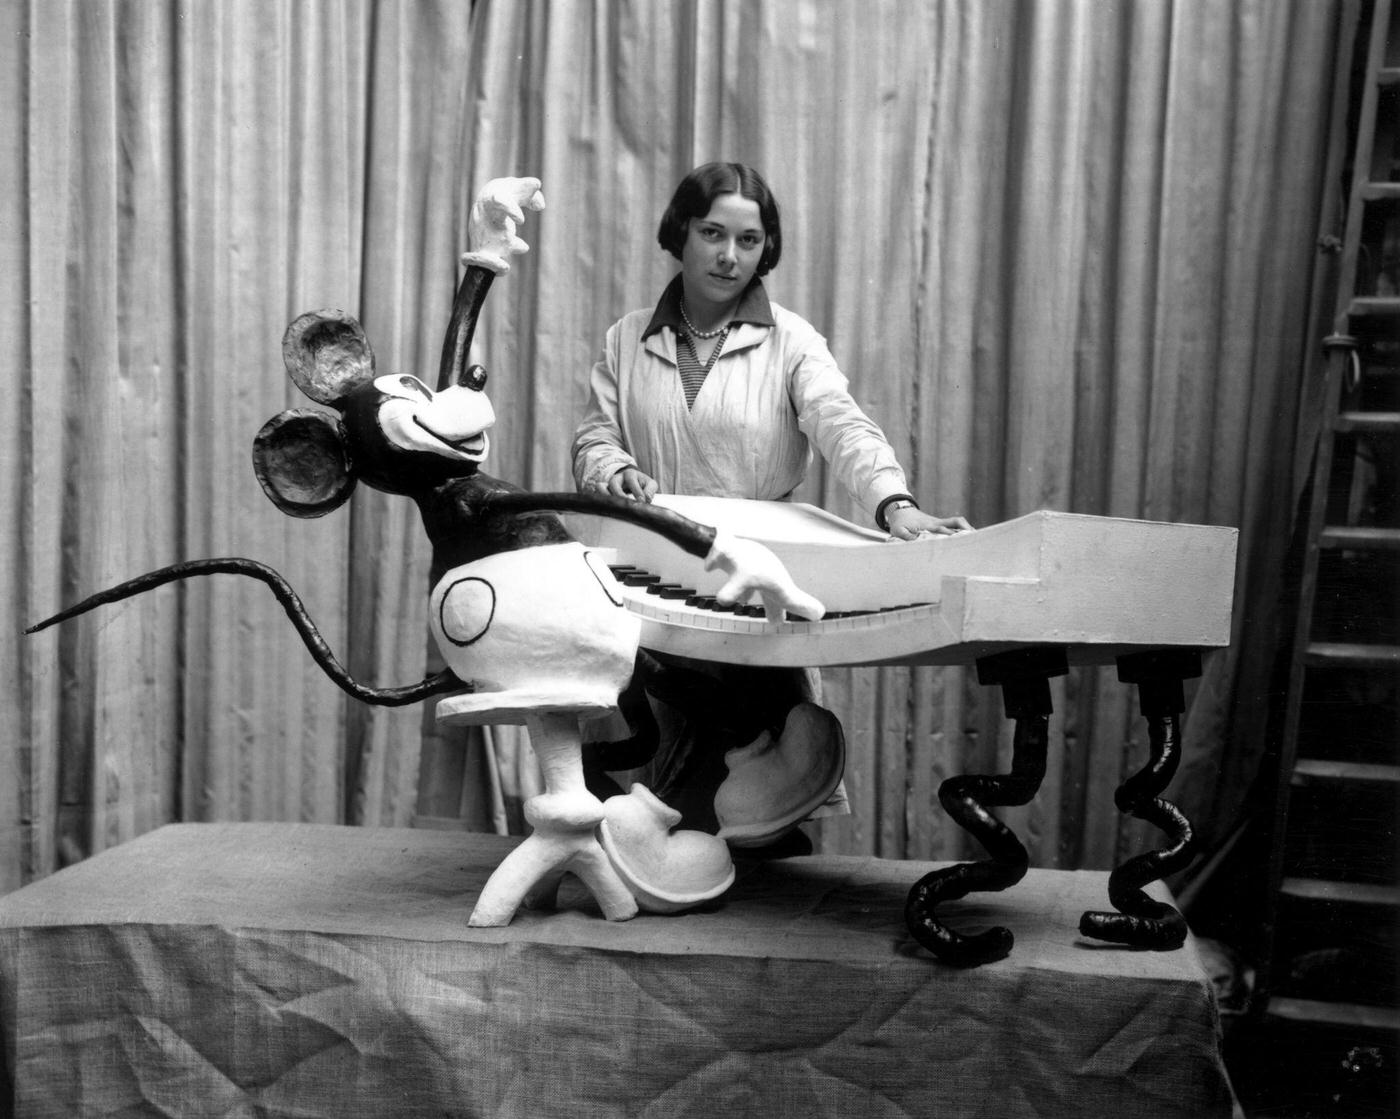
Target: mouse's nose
[473,377]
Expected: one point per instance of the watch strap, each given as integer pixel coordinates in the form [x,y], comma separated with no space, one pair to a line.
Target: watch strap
[896,500]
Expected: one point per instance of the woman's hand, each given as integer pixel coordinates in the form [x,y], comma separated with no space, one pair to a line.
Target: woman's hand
[631,482]
[910,523]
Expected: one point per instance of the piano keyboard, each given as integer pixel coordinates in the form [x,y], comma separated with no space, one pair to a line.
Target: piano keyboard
[679,619]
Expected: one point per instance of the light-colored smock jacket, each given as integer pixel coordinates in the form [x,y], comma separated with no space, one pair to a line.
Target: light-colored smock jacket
[773,393]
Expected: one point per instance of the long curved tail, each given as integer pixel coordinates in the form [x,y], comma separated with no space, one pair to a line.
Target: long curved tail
[437,684]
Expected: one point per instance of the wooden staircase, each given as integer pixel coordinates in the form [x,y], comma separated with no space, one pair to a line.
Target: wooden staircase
[1327,991]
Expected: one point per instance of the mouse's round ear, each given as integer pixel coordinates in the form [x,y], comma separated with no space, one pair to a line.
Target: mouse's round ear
[327,354]
[299,457]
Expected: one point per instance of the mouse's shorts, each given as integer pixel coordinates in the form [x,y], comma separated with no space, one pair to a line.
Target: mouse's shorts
[546,619]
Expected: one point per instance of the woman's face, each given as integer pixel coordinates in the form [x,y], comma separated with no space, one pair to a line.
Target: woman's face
[722,250]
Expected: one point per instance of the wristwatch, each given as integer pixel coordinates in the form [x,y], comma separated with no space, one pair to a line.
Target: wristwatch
[889,505]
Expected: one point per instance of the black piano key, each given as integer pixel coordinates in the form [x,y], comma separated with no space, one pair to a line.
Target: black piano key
[621,569]
[700,601]
[661,588]
[639,579]
[675,591]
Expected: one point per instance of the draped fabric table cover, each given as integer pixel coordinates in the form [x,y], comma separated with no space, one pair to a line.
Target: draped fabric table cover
[315,970]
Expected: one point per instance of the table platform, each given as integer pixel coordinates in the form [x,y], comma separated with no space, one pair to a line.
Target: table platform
[313,970]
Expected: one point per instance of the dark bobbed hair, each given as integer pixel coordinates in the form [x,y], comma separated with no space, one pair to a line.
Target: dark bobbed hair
[697,193]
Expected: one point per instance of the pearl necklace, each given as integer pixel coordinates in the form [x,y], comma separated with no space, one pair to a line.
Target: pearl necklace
[697,333]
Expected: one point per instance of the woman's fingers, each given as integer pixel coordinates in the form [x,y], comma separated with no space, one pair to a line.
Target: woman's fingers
[910,524]
[631,483]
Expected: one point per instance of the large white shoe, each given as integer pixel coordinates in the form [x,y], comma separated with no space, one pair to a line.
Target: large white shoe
[774,785]
[667,869]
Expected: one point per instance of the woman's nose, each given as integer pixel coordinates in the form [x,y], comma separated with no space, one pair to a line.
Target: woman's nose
[726,251]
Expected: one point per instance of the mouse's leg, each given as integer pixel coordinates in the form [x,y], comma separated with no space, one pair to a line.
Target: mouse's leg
[565,818]
[1141,921]
[1024,676]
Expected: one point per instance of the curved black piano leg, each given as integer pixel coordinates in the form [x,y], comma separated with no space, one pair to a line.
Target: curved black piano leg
[1024,676]
[1140,921]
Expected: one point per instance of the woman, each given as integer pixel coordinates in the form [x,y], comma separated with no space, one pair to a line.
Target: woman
[719,392]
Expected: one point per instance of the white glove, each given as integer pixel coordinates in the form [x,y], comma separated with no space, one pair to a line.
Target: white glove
[752,567]
[499,208]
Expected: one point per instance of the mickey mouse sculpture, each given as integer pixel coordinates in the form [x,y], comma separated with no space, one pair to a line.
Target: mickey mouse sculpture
[530,623]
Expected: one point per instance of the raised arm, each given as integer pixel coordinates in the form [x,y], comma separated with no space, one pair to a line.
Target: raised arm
[491,232]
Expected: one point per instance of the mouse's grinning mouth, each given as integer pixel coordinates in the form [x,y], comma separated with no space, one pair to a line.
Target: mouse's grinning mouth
[472,444]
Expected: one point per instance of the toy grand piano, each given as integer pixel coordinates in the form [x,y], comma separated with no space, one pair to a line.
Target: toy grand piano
[1098,586]
[1020,600]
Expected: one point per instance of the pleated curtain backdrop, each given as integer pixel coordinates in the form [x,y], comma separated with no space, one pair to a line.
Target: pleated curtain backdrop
[1062,248]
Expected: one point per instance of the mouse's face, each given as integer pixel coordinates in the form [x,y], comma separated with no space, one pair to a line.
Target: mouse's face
[451,423]
[402,435]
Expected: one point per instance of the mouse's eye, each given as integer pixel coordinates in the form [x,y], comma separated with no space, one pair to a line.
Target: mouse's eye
[415,386]
[473,377]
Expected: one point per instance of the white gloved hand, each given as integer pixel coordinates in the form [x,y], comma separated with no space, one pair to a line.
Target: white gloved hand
[753,567]
[498,210]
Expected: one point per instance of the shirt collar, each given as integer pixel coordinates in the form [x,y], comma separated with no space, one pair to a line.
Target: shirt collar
[753,307]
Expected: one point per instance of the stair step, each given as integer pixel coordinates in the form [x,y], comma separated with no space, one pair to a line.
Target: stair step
[1334,1013]
[1350,893]
[1313,771]
[1359,537]
[1339,654]
[1374,305]
[1374,423]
